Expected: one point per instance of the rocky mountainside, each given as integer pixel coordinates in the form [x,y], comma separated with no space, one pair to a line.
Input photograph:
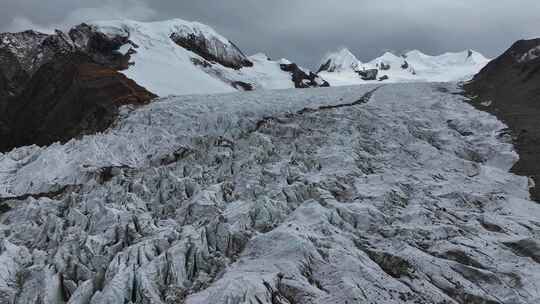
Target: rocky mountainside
[394,194]
[73,83]
[509,87]
[56,87]
[67,97]
[343,68]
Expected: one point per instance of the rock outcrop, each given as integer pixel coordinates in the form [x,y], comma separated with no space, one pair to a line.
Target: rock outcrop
[370,74]
[68,97]
[103,49]
[213,49]
[21,54]
[384,66]
[404,65]
[509,87]
[59,86]
[303,79]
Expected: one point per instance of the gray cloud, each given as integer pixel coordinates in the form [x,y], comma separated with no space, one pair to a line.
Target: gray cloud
[304,31]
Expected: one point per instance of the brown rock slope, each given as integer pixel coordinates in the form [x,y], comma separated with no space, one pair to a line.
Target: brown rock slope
[509,87]
[60,86]
[67,97]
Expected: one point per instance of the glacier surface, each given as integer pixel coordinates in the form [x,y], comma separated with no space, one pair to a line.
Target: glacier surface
[364,194]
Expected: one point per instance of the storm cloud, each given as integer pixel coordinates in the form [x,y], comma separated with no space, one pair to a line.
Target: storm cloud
[303,30]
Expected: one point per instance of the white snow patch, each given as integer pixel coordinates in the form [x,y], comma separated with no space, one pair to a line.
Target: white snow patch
[487,103]
[532,54]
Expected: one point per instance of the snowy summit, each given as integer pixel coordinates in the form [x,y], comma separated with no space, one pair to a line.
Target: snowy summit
[343,68]
[340,61]
[178,57]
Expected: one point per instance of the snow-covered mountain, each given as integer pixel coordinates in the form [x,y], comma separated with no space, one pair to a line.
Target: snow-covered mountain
[340,61]
[177,57]
[343,68]
[166,57]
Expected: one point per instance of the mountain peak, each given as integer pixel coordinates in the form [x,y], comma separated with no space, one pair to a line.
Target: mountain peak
[339,61]
[345,52]
[193,36]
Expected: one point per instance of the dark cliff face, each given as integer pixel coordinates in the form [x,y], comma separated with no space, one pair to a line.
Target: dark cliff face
[509,87]
[22,54]
[202,46]
[101,48]
[60,86]
[68,97]
[19,59]
[326,67]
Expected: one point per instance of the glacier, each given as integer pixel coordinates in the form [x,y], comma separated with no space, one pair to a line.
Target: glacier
[397,193]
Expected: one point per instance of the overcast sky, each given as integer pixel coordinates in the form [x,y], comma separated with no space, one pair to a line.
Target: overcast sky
[305,30]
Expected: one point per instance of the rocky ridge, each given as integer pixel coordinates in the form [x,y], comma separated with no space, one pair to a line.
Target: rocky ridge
[60,86]
[509,87]
[68,97]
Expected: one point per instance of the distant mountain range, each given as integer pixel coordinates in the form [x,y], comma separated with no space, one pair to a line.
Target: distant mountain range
[343,68]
